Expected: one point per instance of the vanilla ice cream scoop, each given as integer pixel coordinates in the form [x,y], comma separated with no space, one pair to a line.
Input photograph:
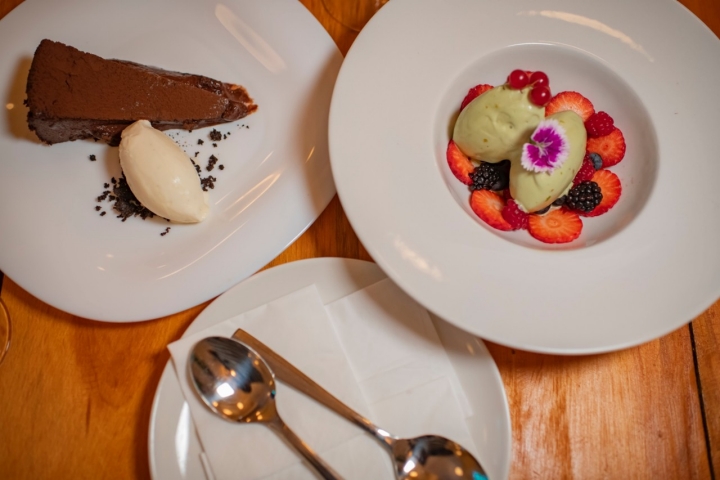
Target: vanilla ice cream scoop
[161,175]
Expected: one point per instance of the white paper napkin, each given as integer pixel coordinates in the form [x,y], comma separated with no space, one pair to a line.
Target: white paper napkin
[402,368]
[376,349]
[297,327]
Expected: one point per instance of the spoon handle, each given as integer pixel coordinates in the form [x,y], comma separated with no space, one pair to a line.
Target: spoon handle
[325,471]
[290,374]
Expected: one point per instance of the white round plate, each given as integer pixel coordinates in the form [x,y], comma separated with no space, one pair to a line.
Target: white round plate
[638,272]
[276,178]
[174,447]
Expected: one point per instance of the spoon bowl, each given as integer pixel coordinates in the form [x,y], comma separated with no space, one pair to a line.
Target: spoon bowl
[235,383]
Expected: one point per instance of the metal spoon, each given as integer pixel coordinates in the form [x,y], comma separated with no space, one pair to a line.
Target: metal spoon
[428,457]
[236,384]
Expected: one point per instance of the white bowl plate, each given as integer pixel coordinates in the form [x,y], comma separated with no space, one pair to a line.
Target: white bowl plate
[276,178]
[643,269]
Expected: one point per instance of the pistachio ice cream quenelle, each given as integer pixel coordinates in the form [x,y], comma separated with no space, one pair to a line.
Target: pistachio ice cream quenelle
[494,126]
[536,190]
[161,175]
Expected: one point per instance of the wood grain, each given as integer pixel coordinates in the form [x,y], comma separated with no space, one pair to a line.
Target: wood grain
[75,395]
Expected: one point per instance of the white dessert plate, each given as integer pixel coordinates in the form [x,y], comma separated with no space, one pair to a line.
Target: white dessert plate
[174,448]
[645,268]
[275,182]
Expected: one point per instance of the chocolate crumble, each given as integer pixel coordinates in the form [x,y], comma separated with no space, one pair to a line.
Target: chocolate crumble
[211,163]
[126,204]
[215,135]
[162,234]
[200,141]
[208,182]
[92,158]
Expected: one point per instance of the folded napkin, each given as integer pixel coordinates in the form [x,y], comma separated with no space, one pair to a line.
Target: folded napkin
[297,327]
[400,364]
[376,350]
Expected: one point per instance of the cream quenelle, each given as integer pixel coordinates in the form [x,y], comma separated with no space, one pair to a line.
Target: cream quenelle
[536,190]
[495,125]
[161,175]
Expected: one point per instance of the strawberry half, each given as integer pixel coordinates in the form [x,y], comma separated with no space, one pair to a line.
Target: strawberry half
[573,101]
[611,189]
[556,226]
[488,205]
[610,147]
[473,93]
[460,165]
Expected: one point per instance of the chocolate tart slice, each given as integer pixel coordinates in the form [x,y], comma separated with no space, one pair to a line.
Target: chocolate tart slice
[75,95]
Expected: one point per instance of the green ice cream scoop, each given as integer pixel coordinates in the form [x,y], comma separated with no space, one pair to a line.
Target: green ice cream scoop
[536,190]
[495,125]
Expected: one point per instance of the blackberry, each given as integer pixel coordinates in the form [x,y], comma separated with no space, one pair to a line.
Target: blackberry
[491,176]
[560,201]
[584,196]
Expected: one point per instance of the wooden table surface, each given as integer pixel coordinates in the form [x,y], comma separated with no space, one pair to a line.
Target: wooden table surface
[650,412]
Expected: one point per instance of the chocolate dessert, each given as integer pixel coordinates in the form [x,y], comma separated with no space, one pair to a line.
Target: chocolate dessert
[75,95]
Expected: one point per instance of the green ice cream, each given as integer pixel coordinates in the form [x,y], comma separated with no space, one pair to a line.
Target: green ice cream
[536,190]
[494,126]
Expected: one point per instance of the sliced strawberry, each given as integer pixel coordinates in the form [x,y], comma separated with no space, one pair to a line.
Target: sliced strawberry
[475,92]
[570,101]
[610,147]
[459,163]
[556,226]
[611,189]
[488,205]
[587,170]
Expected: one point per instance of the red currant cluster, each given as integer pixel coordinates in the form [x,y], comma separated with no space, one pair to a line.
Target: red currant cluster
[540,93]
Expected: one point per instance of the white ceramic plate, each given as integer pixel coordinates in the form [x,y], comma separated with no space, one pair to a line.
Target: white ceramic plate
[275,183]
[174,447]
[640,271]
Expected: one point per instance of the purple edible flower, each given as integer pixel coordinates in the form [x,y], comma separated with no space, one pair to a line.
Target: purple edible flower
[548,147]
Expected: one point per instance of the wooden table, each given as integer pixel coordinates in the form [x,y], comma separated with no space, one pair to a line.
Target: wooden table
[651,412]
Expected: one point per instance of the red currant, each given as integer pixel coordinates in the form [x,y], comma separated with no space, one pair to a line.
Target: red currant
[518,79]
[540,95]
[539,79]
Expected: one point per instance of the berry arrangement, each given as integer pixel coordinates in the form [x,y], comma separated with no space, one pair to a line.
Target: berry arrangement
[594,190]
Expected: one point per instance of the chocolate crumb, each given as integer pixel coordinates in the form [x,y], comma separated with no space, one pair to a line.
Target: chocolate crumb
[211,163]
[196,154]
[103,213]
[221,167]
[208,182]
[162,234]
[92,158]
[107,185]
[214,144]
[126,204]
[113,180]
[224,137]
[98,208]
[200,141]
[215,135]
